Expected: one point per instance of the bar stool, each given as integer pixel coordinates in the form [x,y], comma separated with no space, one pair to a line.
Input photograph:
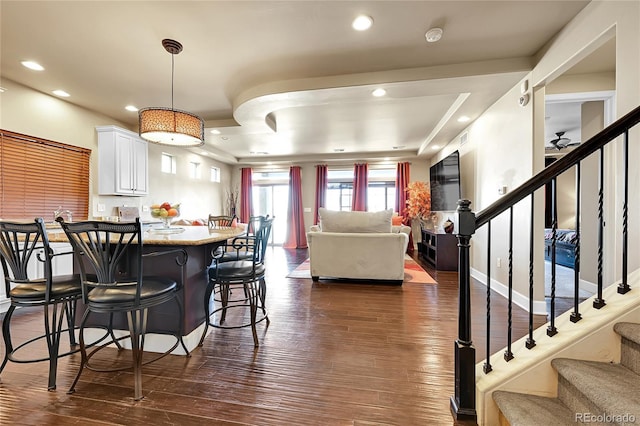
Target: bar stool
[220,222]
[245,273]
[109,249]
[22,245]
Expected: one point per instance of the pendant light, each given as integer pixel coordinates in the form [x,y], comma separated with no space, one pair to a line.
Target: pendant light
[169,126]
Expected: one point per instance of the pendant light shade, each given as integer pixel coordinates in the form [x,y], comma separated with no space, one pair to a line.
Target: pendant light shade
[169,126]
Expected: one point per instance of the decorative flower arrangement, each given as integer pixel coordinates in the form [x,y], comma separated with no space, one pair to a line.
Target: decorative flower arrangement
[419,200]
[232,200]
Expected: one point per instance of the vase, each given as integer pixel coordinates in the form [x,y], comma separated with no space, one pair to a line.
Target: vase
[448,226]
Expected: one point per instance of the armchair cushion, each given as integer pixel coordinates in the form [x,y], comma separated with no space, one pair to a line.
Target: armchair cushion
[355,222]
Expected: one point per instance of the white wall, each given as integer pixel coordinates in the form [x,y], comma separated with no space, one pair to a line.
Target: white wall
[505,137]
[33,113]
[499,154]
[594,25]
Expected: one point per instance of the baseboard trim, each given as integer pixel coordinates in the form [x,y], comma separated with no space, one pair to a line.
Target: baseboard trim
[539,307]
[4,305]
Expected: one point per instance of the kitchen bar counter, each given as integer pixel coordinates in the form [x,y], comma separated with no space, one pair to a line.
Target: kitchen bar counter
[177,236]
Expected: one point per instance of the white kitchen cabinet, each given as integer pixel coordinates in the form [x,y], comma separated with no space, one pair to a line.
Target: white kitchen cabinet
[122,162]
[60,265]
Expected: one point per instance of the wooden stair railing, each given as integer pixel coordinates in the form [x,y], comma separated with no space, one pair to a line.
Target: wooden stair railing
[463,403]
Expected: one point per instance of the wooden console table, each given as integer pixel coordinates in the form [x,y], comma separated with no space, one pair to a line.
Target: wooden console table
[439,250]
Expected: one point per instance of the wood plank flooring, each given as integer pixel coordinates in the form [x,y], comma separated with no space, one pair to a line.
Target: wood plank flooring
[335,353]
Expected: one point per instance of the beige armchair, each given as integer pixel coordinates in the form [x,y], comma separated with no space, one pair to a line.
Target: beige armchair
[357,245]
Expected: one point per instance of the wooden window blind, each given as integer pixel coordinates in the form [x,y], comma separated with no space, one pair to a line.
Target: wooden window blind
[37,176]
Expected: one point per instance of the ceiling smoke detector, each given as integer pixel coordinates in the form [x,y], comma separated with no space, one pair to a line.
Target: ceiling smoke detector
[433,35]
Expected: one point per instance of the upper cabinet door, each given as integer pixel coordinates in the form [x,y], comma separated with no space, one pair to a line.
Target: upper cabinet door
[122,162]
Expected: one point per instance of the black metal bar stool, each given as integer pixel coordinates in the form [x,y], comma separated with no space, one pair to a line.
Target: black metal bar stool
[107,250]
[246,272]
[21,246]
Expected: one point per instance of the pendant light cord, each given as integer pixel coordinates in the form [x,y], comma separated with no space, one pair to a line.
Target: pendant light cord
[172,72]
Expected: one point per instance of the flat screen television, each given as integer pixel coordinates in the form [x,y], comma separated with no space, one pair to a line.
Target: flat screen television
[445,183]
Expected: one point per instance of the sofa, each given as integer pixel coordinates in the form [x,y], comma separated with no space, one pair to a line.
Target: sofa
[357,245]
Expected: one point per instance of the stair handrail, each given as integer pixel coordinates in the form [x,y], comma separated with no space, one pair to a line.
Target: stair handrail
[463,402]
[569,160]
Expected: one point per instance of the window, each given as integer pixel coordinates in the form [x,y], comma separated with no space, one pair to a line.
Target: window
[37,176]
[381,196]
[168,163]
[339,196]
[381,192]
[194,170]
[215,174]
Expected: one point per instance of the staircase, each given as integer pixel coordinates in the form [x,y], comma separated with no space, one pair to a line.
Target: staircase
[591,392]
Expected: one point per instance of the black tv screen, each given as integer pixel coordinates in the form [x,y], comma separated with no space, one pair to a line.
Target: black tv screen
[445,183]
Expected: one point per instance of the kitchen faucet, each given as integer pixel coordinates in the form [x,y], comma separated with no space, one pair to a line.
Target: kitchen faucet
[60,212]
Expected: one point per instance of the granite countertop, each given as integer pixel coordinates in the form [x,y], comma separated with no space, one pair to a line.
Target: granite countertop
[178,236]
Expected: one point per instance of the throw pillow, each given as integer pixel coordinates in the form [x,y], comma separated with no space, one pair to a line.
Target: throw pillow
[349,222]
[396,220]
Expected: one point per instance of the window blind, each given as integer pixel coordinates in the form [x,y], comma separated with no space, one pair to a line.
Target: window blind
[37,176]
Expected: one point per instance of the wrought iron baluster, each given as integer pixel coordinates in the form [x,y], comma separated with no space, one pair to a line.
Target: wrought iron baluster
[599,301]
[575,315]
[530,343]
[551,328]
[508,354]
[487,364]
[624,287]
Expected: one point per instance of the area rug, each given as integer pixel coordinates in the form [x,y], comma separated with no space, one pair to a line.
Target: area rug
[413,273]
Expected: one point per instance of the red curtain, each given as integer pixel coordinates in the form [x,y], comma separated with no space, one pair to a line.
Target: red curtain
[321,190]
[360,184]
[296,236]
[246,186]
[402,180]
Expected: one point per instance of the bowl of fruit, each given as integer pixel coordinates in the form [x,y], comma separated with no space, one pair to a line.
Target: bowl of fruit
[166,212]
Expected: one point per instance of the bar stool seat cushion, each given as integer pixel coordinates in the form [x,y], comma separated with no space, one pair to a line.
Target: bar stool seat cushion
[236,270]
[152,287]
[62,286]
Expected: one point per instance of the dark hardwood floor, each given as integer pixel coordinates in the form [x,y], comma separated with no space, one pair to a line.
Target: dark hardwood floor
[335,353]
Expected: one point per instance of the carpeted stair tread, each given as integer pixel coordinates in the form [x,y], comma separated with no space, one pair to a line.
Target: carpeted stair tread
[630,350]
[532,410]
[611,387]
[628,330]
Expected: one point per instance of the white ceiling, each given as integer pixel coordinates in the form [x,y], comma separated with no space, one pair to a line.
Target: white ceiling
[296,65]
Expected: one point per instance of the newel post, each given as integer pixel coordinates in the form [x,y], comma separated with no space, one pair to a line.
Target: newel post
[463,403]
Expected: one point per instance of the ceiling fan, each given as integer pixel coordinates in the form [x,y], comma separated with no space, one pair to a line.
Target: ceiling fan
[561,142]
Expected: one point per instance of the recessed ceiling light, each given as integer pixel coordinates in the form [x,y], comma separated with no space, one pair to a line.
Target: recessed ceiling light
[215,131]
[433,35]
[32,65]
[379,92]
[224,138]
[204,153]
[61,93]
[2,90]
[435,147]
[463,119]
[131,108]
[362,23]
